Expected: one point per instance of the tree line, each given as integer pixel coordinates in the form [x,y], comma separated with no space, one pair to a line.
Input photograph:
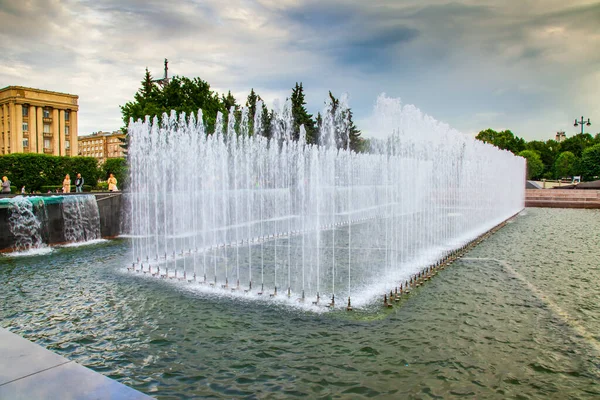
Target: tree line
[184,94]
[578,155]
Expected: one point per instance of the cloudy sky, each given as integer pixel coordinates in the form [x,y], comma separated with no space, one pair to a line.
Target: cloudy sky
[531,66]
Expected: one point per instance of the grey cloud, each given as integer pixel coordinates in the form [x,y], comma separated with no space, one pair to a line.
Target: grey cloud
[451,59]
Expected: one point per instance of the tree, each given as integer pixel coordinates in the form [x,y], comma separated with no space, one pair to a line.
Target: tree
[229,101]
[505,140]
[535,167]
[251,101]
[548,152]
[181,94]
[564,165]
[352,133]
[146,101]
[577,144]
[301,115]
[590,163]
[267,118]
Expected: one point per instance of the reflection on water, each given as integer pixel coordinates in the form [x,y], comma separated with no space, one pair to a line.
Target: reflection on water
[506,322]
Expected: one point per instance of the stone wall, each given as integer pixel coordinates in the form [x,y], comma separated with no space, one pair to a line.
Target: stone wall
[565,198]
[109,206]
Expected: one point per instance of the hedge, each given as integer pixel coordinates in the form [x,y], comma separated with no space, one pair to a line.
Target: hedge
[35,171]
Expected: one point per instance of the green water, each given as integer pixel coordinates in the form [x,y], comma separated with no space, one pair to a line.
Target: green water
[517,318]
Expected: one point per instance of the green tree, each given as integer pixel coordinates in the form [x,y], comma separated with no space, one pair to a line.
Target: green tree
[535,167]
[565,164]
[590,163]
[548,152]
[505,140]
[357,143]
[146,101]
[577,144]
[181,94]
[251,102]
[301,115]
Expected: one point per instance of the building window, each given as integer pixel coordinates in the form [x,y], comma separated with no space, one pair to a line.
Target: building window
[66,130]
[25,127]
[25,111]
[46,113]
[25,142]
[46,143]
[46,128]
[67,115]
[67,144]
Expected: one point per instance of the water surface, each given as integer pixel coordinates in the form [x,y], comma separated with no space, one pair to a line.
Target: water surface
[517,318]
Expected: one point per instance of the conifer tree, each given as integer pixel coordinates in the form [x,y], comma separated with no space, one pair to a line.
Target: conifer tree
[301,115]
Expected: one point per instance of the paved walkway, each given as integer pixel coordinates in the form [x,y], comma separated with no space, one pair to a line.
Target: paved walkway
[28,371]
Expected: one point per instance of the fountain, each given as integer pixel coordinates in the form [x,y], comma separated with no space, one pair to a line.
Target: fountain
[35,221]
[273,214]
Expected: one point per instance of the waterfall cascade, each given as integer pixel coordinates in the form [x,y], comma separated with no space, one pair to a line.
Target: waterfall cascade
[239,210]
[81,218]
[35,221]
[25,224]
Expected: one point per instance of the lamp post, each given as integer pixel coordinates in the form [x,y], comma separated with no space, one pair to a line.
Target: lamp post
[582,122]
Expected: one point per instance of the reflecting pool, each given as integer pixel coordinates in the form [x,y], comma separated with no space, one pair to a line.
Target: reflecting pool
[517,317]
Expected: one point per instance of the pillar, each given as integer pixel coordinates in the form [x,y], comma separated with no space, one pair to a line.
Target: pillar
[19,129]
[13,123]
[73,133]
[33,130]
[55,133]
[61,129]
[40,132]
[4,129]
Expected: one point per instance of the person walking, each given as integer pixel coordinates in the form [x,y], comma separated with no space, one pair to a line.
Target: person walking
[112,183]
[5,185]
[79,184]
[67,184]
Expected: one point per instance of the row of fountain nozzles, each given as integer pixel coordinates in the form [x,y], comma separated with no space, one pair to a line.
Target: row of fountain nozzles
[426,274]
[430,271]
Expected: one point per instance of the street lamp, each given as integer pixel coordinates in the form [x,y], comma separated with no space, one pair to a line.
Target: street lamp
[582,122]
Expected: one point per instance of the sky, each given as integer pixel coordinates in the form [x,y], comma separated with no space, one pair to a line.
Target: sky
[531,66]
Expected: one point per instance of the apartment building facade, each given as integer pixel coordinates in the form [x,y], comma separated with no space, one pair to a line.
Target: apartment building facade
[102,145]
[38,121]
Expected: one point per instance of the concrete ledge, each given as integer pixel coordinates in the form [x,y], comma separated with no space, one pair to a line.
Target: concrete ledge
[561,204]
[556,198]
[28,371]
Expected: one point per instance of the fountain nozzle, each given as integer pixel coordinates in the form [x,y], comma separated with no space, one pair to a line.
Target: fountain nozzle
[349,307]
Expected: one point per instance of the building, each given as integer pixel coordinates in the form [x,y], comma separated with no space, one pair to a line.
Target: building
[38,121]
[560,136]
[102,145]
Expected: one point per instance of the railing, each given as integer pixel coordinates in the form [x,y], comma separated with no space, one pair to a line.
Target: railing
[48,151]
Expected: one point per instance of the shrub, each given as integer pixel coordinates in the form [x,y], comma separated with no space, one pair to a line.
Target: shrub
[37,170]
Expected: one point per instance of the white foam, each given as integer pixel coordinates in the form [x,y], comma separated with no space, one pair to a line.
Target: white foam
[86,243]
[38,251]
